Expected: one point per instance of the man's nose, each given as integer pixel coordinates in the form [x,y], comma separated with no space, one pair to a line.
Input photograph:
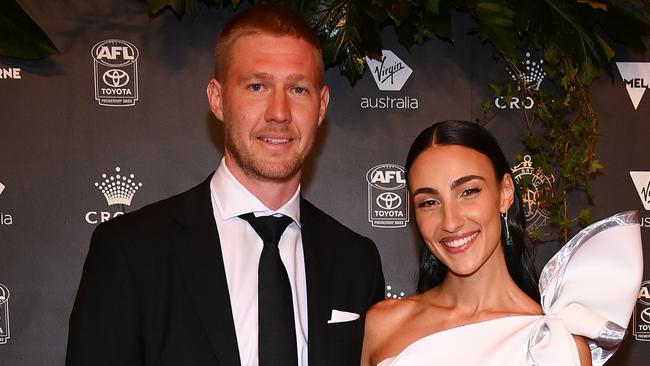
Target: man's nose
[278,109]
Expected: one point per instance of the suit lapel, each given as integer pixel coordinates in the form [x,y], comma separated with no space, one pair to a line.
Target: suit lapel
[317,255]
[199,252]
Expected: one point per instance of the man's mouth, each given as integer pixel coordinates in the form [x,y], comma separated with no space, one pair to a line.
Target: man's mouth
[275,140]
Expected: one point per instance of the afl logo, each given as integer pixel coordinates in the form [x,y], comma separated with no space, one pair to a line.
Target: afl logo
[387,196]
[644,293]
[116,73]
[4,294]
[4,314]
[386,177]
[115,53]
[641,317]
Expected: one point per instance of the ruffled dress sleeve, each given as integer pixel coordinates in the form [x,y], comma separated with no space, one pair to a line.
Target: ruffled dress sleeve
[591,285]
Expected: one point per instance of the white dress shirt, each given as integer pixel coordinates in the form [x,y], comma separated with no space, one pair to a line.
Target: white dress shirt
[241,248]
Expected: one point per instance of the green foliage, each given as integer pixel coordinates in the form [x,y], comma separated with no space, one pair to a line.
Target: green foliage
[20,36]
[348,32]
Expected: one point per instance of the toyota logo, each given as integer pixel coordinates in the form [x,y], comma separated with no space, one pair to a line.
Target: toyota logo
[115,78]
[388,200]
[645,315]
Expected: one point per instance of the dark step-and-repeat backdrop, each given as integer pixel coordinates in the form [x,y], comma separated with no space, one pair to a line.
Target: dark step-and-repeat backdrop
[74,122]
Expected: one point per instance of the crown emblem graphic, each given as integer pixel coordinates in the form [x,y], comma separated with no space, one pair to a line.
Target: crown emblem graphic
[533,75]
[118,189]
[540,183]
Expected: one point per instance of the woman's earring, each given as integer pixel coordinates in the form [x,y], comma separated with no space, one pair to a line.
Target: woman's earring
[504,216]
[434,261]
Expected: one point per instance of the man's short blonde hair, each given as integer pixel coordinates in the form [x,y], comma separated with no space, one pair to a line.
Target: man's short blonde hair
[267,19]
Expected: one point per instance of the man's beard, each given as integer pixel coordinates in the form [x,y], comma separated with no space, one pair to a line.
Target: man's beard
[277,171]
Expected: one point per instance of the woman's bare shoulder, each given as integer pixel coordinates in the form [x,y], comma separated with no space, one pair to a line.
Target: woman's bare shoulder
[393,324]
[396,310]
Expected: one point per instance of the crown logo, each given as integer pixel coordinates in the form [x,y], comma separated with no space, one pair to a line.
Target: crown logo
[533,76]
[118,189]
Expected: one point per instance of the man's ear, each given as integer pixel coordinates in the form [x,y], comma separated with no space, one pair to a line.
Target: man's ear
[215,92]
[324,101]
[507,192]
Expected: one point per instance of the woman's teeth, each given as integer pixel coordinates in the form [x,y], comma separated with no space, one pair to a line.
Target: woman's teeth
[460,242]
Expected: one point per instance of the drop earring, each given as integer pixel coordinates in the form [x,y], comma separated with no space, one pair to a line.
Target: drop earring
[504,216]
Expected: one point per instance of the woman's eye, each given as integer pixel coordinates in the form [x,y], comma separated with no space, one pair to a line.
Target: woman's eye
[469,192]
[428,203]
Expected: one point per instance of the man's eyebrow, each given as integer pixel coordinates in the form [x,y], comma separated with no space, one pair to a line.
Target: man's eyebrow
[295,77]
[256,76]
[265,76]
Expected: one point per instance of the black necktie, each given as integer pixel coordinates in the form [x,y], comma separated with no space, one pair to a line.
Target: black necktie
[277,330]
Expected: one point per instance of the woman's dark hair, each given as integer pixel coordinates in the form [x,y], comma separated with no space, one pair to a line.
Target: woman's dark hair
[519,255]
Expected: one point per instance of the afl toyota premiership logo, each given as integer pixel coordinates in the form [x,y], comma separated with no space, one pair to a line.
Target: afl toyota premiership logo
[387,196]
[116,73]
[534,183]
[641,318]
[4,314]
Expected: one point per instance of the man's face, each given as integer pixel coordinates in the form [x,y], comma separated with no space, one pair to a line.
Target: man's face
[271,104]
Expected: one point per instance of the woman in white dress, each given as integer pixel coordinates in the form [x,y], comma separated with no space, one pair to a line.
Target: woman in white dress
[477,300]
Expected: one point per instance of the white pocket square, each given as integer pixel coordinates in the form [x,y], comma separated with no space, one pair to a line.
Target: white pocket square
[339,316]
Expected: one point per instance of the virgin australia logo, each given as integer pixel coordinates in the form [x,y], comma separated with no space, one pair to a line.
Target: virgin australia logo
[390,73]
[636,76]
[5,218]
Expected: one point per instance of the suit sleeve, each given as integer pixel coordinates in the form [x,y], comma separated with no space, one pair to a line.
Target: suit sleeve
[378,289]
[104,324]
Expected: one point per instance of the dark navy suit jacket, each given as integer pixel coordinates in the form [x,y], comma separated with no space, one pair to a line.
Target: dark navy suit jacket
[153,290]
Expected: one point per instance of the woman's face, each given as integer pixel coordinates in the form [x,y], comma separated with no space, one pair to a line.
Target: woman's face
[458,202]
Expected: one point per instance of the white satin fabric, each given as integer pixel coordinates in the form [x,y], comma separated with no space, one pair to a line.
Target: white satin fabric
[588,288]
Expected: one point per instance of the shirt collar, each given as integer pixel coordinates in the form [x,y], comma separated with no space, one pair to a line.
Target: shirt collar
[232,199]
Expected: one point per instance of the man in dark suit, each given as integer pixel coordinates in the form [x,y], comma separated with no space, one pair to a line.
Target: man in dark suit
[193,279]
